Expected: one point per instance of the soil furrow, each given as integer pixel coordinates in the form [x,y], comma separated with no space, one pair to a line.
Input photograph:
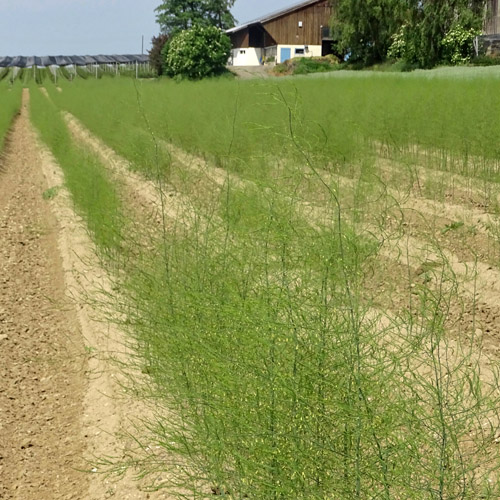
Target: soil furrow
[42,377]
[146,196]
[110,414]
[63,411]
[469,191]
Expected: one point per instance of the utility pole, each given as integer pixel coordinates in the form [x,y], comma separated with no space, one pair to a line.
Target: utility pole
[142,50]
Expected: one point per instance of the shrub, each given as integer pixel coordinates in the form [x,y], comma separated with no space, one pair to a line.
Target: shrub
[398,47]
[305,65]
[197,53]
[486,61]
[458,45]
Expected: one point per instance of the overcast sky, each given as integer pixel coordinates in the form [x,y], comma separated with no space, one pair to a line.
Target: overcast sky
[78,27]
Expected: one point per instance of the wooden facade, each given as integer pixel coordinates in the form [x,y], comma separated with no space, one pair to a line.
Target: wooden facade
[492,22]
[299,25]
[241,38]
[286,29]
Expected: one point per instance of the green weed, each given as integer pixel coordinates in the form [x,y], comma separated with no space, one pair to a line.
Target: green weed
[51,193]
[10,102]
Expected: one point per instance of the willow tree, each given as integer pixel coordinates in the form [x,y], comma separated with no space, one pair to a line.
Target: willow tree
[364,28]
[430,21]
[368,28]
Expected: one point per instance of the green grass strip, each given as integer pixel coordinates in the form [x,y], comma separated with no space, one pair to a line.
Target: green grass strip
[10,102]
[244,125]
[93,193]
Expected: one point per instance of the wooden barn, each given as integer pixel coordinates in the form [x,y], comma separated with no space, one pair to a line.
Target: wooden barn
[301,30]
[492,24]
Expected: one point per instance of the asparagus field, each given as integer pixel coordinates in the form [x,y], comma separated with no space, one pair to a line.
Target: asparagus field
[305,274]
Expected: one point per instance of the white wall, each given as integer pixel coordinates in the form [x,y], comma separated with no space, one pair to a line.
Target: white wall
[246,57]
[253,56]
[311,51]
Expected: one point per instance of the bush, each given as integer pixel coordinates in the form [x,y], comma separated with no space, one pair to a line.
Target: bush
[398,47]
[306,65]
[197,53]
[458,45]
[486,61]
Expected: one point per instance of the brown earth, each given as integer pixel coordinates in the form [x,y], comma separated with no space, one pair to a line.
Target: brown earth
[42,376]
[62,407]
[251,72]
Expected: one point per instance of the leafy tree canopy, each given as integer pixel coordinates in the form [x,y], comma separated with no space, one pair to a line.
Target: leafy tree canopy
[364,28]
[429,23]
[197,53]
[178,15]
[421,32]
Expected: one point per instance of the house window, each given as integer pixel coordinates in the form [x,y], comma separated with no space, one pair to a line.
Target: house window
[243,51]
[299,51]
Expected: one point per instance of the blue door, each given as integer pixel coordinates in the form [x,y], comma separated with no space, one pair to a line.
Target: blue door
[285,54]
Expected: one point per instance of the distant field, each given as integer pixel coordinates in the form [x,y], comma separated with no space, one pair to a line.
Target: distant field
[308,271]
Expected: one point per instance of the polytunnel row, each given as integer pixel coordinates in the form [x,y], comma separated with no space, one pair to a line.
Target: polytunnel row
[26,62]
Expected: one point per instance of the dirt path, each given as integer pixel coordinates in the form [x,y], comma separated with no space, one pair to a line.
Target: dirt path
[60,400]
[251,72]
[42,381]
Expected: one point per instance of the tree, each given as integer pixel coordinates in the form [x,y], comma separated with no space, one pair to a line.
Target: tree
[219,13]
[431,23]
[155,54]
[197,53]
[174,16]
[421,32]
[364,28]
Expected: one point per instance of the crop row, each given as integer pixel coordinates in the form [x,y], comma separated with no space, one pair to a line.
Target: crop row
[10,101]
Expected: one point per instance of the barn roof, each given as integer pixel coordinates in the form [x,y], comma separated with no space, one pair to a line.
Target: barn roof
[272,15]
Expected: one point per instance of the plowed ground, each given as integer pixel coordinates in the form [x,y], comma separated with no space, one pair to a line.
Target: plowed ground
[42,373]
[61,407]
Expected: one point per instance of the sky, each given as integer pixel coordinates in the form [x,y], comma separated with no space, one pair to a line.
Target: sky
[81,27]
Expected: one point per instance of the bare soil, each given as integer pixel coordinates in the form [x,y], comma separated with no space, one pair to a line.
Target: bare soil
[251,72]
[62,408]
[42,375]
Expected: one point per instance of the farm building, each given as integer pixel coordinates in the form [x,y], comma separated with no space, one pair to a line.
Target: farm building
[301,30]
[490,41]
[492,24]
